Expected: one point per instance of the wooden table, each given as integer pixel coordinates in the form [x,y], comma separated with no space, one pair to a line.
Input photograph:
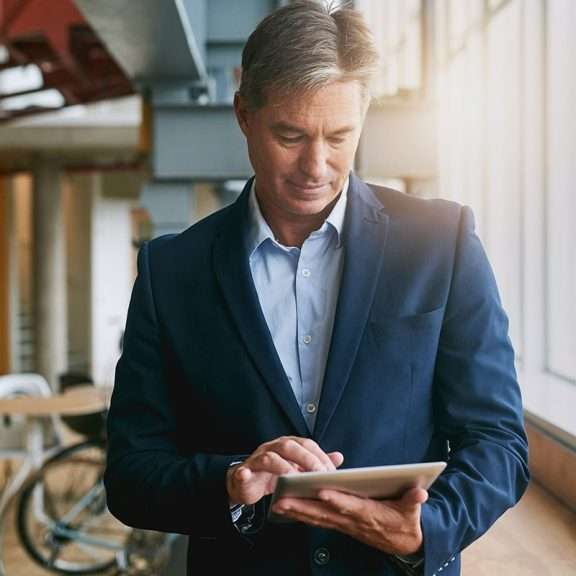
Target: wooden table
[74,402]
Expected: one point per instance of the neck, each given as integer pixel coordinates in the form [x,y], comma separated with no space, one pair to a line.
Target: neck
[292,230]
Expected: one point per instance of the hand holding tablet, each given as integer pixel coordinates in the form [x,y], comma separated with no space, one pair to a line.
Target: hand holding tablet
[377,482]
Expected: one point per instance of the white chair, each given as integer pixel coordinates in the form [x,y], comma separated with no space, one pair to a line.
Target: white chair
[24,385]
[27,439]
[13,428]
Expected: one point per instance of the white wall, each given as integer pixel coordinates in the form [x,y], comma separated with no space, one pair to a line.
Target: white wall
[112,278]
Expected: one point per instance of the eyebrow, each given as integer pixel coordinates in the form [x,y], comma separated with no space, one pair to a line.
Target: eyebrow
[287,127]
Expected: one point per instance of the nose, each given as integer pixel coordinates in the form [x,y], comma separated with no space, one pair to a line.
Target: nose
[314,162]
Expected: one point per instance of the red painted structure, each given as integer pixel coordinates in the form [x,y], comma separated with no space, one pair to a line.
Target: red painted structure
[54,35]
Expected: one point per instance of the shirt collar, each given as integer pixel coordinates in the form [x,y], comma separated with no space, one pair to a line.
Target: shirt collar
[259,230]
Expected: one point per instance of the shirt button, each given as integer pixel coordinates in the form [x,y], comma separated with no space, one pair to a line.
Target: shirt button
[311,408]
[307,339]
[305,272]
[321,556]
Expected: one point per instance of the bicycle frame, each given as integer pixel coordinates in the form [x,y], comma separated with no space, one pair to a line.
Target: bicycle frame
[61,529]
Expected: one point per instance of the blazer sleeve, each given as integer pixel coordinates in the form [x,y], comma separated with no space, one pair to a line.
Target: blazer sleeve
[478,410]
[149,484]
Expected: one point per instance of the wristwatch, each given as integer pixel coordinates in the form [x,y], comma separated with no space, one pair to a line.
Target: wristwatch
[242,514]
[411,564]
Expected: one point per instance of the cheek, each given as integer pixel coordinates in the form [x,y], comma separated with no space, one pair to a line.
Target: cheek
[278,161]
[267,153]
[344,157]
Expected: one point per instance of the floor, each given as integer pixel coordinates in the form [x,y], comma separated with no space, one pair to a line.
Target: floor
[537,537]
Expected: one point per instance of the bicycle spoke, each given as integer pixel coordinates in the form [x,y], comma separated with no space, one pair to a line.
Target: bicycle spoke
[81,505]
[54,552]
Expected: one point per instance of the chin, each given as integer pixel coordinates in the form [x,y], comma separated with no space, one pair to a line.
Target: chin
[308,208]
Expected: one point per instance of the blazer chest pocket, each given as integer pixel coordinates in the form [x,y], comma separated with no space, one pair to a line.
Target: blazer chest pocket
[410,338]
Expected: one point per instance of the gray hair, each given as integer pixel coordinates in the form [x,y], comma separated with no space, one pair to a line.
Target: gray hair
[304,46]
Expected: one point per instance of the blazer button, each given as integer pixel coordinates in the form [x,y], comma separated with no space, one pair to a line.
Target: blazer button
[321,556]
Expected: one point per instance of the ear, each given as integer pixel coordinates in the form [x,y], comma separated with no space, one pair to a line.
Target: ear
[241,112]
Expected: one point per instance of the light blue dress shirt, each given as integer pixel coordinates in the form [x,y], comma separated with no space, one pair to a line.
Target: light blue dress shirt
[298,292]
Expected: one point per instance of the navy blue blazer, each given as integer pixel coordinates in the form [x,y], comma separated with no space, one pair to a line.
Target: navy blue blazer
[420,369]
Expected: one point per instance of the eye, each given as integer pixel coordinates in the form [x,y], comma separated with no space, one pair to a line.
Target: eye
[336,141]
[290,139]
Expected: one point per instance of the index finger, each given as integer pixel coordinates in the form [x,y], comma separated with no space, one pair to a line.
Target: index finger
[313,447]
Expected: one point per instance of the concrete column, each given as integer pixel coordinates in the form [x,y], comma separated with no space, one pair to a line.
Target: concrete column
[13,284]
[4,281]
[78,192]
[49,272]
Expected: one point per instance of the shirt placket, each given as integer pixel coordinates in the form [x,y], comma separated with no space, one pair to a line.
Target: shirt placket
[308,339]
[292,366]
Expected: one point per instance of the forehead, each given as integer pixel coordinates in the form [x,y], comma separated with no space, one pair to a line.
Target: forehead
[334,103]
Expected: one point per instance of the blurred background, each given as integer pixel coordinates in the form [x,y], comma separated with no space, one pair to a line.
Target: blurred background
[116,126]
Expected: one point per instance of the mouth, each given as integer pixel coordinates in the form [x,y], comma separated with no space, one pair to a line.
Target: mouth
[309,187]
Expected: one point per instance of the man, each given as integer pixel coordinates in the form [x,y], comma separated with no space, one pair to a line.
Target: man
[318,322]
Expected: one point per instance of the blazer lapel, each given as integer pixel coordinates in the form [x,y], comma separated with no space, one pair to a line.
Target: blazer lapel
[233,274]
[365,232]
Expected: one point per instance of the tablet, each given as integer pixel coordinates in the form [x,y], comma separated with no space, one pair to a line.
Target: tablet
[377,482]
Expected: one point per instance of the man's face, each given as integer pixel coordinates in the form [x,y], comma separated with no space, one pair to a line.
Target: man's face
[302,147]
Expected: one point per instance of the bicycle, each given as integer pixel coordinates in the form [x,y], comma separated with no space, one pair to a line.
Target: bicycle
[65,526]
[62,521]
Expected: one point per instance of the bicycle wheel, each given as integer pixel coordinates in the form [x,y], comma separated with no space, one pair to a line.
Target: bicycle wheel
[62,518]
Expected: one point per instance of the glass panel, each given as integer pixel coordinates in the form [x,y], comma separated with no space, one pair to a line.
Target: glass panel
[561,194]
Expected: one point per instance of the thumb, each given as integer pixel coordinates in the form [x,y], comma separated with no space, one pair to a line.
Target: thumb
[413,498]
